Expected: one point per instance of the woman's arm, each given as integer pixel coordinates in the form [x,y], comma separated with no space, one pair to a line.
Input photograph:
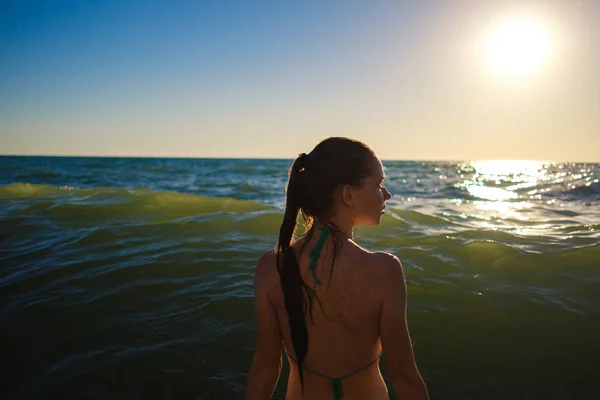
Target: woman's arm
[395,339]
[266,364]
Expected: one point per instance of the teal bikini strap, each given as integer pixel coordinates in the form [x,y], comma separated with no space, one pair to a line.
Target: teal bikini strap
[315,253]
[336,382]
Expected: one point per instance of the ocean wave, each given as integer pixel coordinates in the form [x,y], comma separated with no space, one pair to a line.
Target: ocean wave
[416,217]
[248,188]
[114,203]
[585,192]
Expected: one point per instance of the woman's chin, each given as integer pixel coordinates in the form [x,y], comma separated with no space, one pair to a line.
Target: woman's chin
[372,220]
[377,220]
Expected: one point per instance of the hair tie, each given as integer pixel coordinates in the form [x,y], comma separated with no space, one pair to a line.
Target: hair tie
[303,157]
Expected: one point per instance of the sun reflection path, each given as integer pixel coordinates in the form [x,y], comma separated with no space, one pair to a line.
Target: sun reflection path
[498,180]
[497,188]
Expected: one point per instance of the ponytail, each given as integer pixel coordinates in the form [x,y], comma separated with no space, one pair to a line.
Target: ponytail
[292,284]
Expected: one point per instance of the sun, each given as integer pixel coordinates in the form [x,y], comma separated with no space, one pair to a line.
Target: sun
[518,47]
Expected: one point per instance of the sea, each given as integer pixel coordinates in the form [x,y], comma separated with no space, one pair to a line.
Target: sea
[131,278]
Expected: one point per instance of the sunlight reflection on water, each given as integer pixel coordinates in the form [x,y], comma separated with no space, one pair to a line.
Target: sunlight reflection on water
[497,184]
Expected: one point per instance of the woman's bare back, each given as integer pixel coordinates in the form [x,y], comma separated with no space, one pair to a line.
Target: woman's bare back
[345,335]
[337,186]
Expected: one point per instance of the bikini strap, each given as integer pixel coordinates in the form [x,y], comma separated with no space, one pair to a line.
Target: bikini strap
[336,382]
[315,253]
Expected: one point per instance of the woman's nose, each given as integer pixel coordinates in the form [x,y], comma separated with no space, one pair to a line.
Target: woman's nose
[388,195]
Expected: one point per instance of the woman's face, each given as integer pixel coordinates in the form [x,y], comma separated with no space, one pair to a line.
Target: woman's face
[371,197]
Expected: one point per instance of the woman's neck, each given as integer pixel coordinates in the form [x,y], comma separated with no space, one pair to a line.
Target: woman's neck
[344,230]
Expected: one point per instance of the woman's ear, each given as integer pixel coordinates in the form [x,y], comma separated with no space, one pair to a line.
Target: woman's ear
[348,196]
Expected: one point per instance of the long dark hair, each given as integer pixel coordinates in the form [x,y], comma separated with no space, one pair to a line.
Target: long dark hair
[313,181]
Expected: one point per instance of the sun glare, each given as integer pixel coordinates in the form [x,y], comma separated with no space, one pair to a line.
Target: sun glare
[517,47]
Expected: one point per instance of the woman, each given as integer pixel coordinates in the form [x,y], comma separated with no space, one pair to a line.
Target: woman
[334,305]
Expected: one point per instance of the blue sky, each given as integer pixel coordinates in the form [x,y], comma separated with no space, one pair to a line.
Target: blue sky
[272,78]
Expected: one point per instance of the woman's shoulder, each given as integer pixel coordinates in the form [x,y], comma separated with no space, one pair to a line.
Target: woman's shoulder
[382,258]
[266,265]
[267,255]
[389,268]
[388,263]
[381,264]
[387,259]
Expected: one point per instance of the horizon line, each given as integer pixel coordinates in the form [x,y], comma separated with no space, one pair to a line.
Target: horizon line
[285,158]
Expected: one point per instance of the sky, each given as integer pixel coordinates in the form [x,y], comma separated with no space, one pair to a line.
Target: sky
[416,80]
